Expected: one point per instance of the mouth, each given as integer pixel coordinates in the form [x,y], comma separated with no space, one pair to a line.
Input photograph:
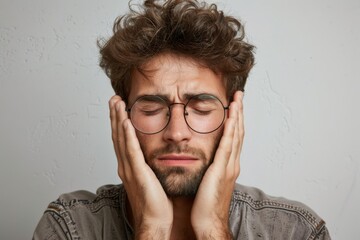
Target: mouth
[177,159]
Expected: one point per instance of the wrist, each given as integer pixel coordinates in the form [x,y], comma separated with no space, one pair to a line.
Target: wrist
[152,231]
[215,234]
[213,231]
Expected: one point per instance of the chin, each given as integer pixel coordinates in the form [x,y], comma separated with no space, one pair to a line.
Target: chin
[180,181]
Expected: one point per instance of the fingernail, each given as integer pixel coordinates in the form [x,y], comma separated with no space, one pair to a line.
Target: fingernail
[112,103]
[117,106]
[241,95]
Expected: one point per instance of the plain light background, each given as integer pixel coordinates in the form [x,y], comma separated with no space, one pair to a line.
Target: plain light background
[301,105]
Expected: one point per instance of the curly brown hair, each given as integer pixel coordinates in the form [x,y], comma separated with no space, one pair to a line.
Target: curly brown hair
[187,27]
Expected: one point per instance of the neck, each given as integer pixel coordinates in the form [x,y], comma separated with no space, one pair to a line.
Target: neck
[181,228]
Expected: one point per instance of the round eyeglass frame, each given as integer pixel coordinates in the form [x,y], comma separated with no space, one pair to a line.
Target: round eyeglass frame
[184,113]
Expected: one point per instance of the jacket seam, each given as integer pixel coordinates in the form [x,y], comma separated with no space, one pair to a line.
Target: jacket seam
[53,212]
[316,226]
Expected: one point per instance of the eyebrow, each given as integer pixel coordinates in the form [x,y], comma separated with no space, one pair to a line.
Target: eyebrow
[185,96]
[166,97]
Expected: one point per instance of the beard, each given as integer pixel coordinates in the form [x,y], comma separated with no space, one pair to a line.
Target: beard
[180,181]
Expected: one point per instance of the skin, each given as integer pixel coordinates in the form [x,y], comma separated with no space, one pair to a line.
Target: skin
[154,214]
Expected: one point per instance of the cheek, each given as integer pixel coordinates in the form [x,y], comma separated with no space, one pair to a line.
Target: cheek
[148,143]
[216,140]
[209,143]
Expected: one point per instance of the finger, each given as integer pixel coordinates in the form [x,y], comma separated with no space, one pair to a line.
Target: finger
[236,152]
[134,155]
[239,95]
[234,160]
[113,121]
[239,100]
[233,165]
[114,101]
[121,116]
[224,150]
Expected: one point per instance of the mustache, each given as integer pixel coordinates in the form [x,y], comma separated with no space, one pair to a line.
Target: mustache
[179,149]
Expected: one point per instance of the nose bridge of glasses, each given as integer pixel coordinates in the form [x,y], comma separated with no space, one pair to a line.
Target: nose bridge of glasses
[174,118]
[175,103]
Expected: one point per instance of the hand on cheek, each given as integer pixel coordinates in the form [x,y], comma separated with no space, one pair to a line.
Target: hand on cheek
[151,209]
[210,214]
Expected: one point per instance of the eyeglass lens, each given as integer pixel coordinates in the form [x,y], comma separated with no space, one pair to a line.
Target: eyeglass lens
[203,113]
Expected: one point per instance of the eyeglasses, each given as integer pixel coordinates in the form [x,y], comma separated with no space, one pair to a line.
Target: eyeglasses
[203,113]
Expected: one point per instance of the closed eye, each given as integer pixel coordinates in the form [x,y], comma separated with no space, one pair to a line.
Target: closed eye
[201,112]
[152,112]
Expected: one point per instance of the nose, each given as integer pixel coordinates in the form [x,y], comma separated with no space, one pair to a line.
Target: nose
[177,130]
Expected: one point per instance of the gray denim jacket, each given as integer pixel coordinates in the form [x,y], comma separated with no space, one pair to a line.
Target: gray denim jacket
[253,215]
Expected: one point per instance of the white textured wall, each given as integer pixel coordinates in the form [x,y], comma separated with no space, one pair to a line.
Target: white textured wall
[301,105]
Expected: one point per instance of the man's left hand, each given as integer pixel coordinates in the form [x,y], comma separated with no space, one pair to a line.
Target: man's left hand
[210,212]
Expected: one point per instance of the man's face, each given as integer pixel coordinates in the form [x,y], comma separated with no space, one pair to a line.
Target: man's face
[178,156]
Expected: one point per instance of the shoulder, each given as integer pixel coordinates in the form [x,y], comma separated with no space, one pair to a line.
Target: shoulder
[268,216]
[81,214]
[105,196]
[83,197]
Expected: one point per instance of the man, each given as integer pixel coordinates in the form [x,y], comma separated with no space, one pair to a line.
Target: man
[178,69]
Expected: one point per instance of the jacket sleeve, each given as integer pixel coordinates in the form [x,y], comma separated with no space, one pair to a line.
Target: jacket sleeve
[323,234]
[51,227]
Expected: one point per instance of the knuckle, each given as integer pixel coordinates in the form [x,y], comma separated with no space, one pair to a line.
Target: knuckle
[112,101]
[121,173]
[130,154]
[240,106]
[227,151]
[124,124]
[230,178]
[241,133]
[237,170]
[114,137]
[111,115]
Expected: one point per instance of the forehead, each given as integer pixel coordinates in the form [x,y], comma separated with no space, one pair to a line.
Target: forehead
[175,76]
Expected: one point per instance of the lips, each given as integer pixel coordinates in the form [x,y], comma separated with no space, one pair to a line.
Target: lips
[177,159]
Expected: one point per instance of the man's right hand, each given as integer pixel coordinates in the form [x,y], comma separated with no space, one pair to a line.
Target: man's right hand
[151,208]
